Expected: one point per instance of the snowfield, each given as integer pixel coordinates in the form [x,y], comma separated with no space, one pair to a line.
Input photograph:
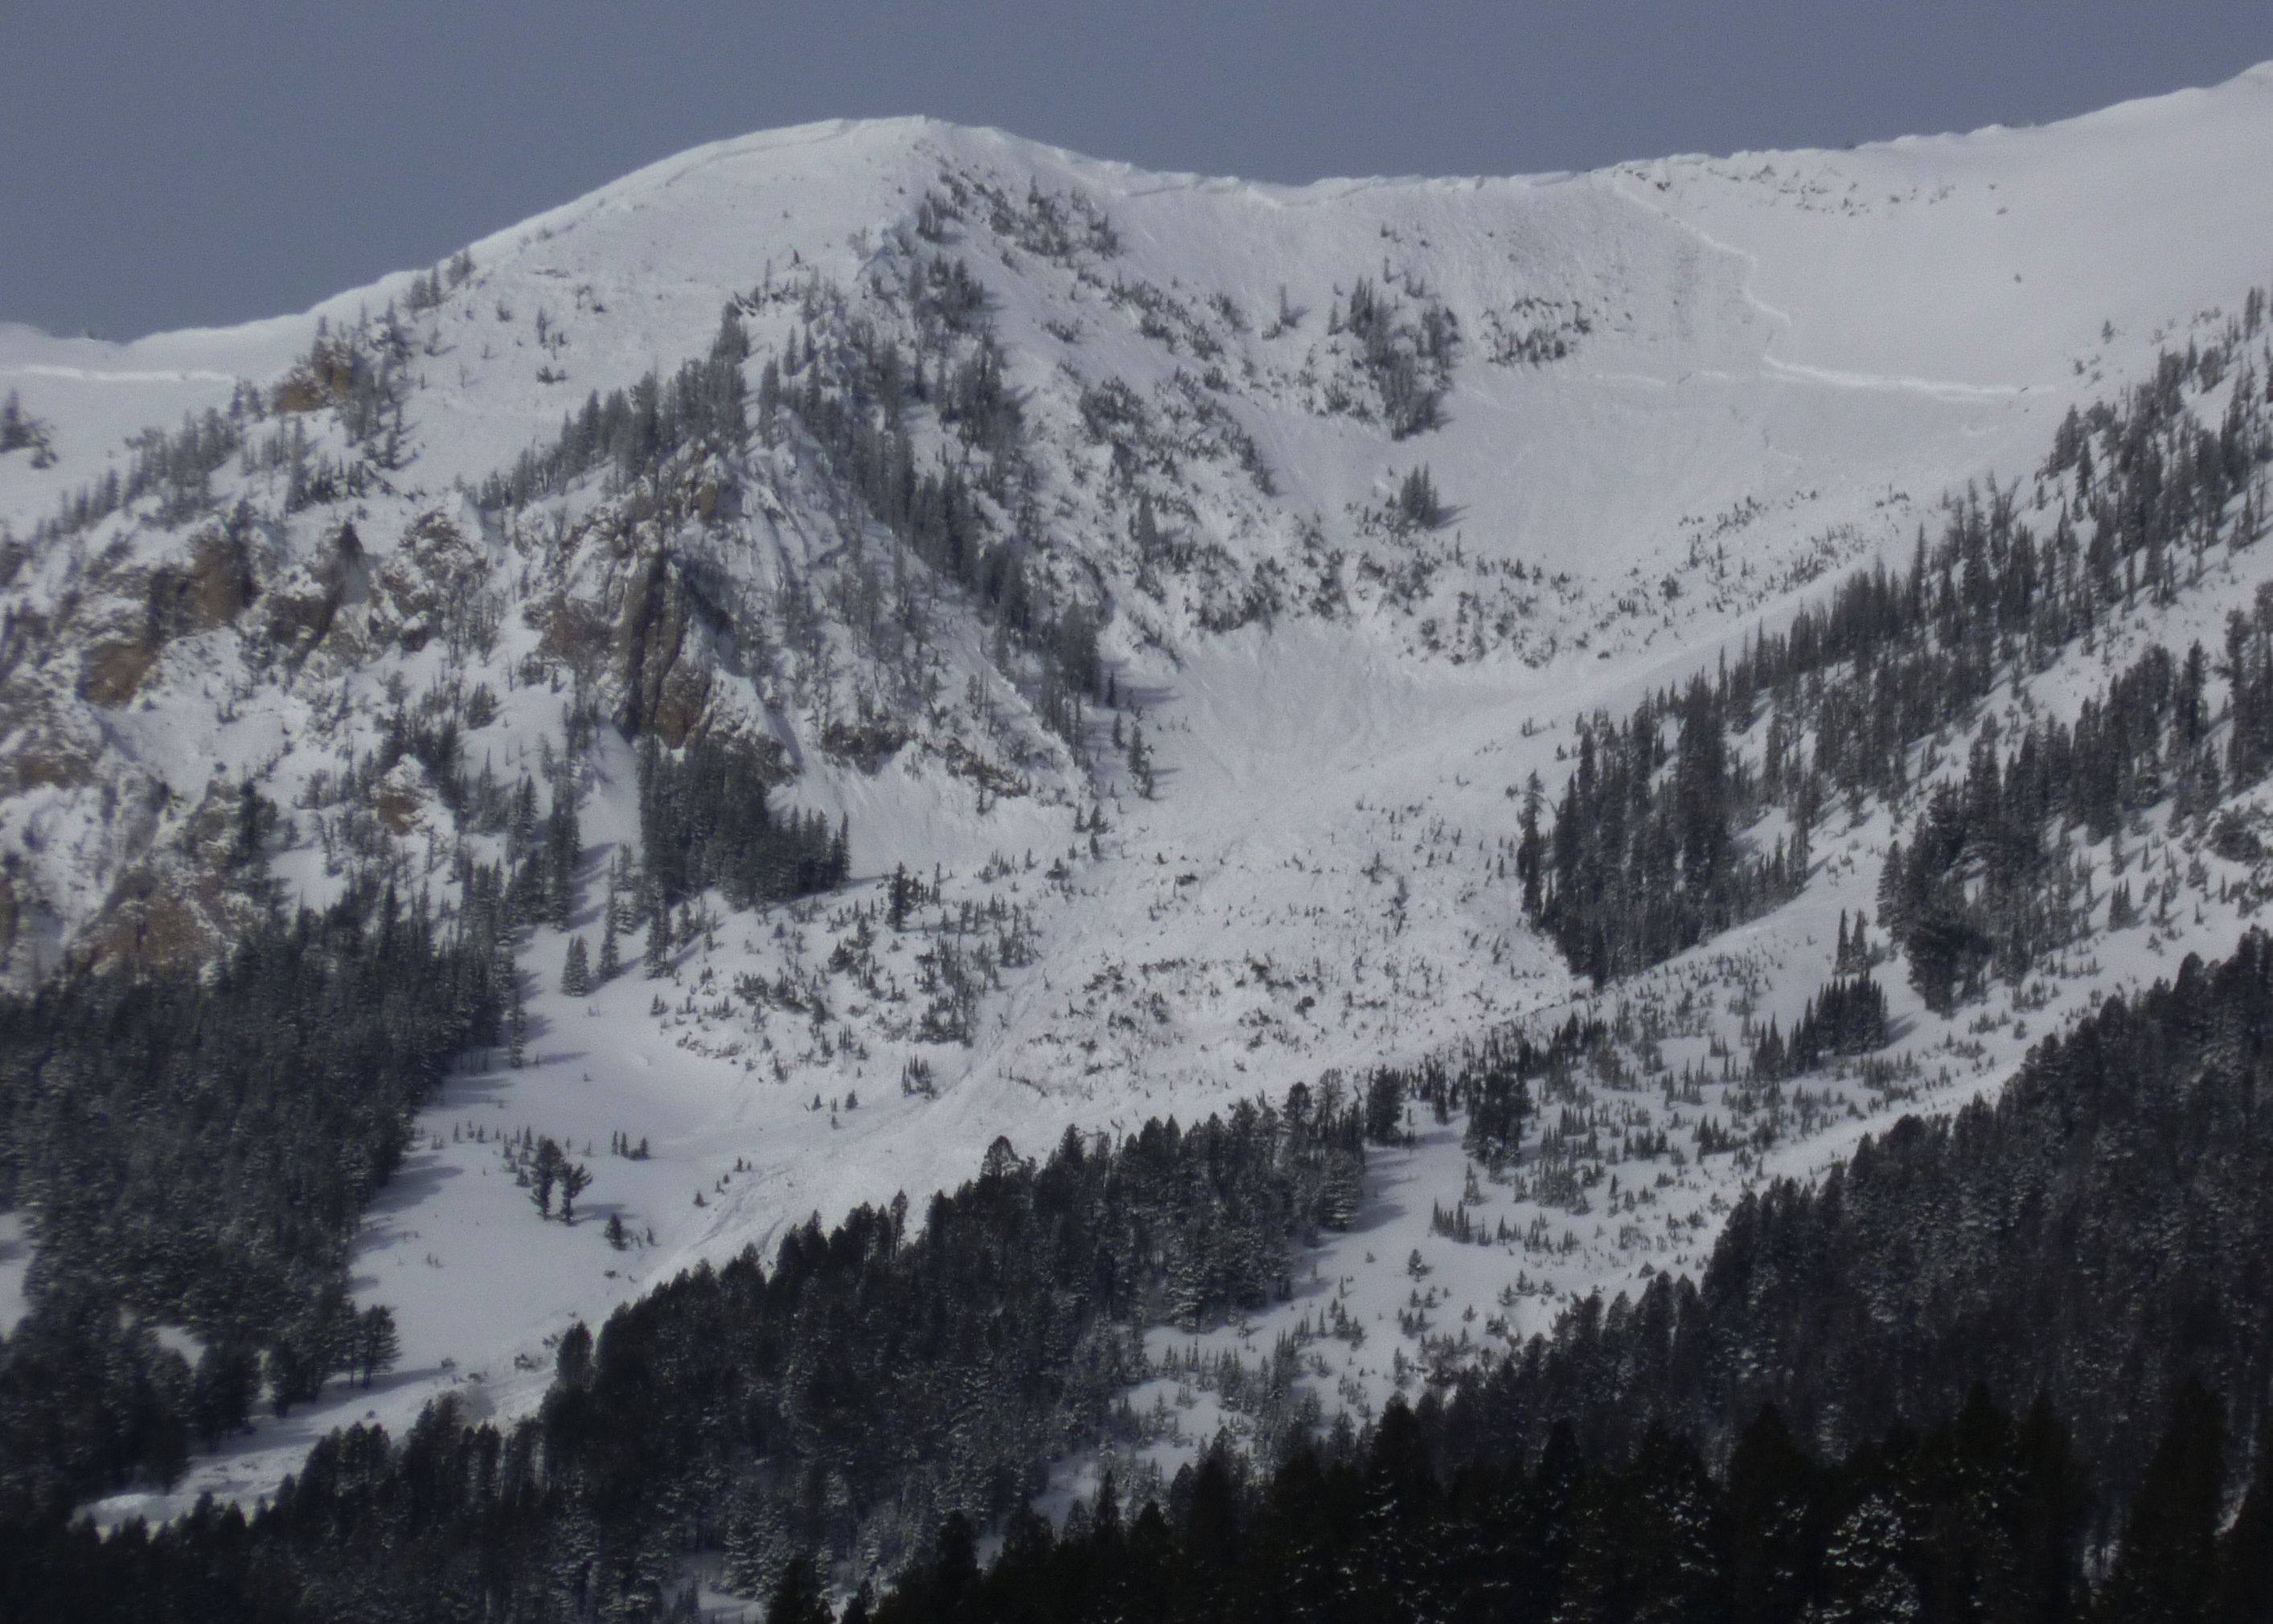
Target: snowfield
[1681,398]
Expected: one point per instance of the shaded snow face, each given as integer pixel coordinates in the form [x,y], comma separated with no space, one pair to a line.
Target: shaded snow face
[1653,405]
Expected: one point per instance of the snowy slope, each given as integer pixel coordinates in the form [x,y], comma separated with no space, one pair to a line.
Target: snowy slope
[1682,394]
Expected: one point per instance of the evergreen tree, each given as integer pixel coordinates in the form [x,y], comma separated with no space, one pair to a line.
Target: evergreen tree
[2245,1578]
[797,1597]
[226,1384]
[576,972]
[1774,1534]
[1342,1191]
[376,1344]
[544,1169]
[563,851]
[1384,1107]
[704,822]
[575,1179]
[1531,847]
[1498,1101]
[2166,1568]
[2053,1497]
[1865,1578]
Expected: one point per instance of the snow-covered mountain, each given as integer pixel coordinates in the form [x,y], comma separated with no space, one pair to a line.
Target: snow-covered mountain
[1167,584]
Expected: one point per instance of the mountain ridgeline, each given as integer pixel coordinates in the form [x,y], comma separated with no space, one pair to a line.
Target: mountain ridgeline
[995,659]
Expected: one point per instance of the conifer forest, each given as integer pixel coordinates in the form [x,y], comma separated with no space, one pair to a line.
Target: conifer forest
[1058,896]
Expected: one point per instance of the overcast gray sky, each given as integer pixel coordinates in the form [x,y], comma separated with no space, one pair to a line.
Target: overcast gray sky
[164,166]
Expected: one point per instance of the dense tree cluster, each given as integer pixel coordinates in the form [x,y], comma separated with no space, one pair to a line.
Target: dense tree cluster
[2248,671]
[1981,1518]
[1409,360]
[705,822]
[1645,863]
[195,1150]
[876,1378]
[1488,1080]
[1846,1018]
[1986,884]
[1418,505]
[2090,1247]
[2097,1232]
[20,430]
[1642,861]
[635,430]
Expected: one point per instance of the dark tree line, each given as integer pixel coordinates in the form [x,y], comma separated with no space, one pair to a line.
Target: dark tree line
[1645,863]
[1986,885]
[633,430]
[2099,1233]
[1981,1518]
[705,822]
[1845,1018]
[1823,1421]
[1641,861]
[875,1378]
[195,1150]
[1488,1080]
